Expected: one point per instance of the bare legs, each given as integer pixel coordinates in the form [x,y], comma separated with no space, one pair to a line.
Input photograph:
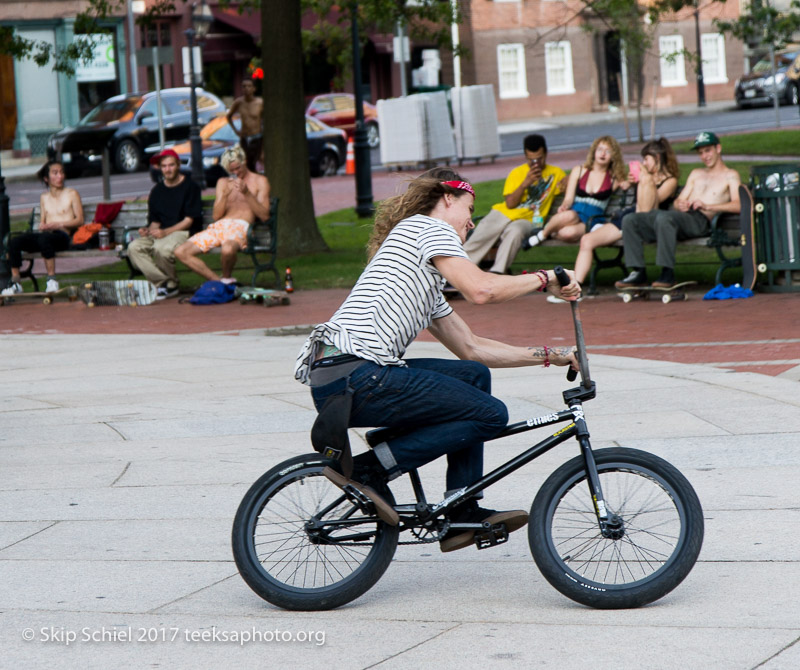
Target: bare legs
[607,234]
[564,226]
[188,254]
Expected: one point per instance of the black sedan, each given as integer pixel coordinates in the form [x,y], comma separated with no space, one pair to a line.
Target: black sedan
[326,149]
[126,124]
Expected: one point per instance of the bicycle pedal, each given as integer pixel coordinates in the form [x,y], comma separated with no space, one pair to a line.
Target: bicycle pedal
[497,534]
[358,499]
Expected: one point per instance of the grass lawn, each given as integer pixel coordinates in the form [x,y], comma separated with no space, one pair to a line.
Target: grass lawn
[766,143]
[347,235]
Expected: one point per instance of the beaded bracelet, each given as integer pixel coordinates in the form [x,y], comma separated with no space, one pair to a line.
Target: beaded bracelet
[546,356]
[542,274]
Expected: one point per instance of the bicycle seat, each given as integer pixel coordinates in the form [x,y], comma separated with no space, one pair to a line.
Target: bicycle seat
[378,435]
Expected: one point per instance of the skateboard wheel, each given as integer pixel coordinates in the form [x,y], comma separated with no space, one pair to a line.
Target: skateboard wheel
[760,207]
[47,300]
[90,304]
[762,267]
[242,300]
[666,299]
[626,297]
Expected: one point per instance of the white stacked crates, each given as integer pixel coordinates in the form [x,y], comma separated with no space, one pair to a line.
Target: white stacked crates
[416,129]
[475,117]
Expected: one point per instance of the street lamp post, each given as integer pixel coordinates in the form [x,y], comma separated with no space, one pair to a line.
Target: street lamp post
[201,22]
[5,228]
[364,206]
[701,87]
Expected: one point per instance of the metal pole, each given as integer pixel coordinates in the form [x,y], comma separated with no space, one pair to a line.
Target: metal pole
[132,49]
[157,73]
[194,130]
[106,166]
[701,88]
[364,206]
[401,41]
[456,43]
[5,228]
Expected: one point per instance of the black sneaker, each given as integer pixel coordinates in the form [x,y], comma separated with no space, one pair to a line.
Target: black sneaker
[533,240]
[469,512]
[636,278]
[666,279]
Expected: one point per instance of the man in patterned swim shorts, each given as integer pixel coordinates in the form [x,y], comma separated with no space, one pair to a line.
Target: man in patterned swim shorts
[240,200]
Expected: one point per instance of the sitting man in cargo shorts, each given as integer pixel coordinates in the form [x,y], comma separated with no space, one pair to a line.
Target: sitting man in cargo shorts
[240,200]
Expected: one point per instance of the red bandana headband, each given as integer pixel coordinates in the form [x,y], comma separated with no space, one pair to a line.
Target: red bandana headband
[460,185]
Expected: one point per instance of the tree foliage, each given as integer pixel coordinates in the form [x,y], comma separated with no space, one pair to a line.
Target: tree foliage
[762,24]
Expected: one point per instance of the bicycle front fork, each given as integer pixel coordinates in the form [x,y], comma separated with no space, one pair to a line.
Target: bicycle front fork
[611,525]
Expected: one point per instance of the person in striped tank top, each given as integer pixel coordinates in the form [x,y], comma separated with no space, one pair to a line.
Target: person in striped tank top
[440,406]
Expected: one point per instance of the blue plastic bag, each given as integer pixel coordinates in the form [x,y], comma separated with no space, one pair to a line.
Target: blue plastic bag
[720,292]
[213,293]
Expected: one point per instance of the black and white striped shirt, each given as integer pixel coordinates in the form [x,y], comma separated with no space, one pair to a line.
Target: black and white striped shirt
[397,296]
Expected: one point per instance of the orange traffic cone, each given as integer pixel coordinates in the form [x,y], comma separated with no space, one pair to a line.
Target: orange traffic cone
[350,163]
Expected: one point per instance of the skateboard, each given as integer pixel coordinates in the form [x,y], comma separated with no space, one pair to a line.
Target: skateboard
[674,292]
[71,292]
[125,292]
[748,244]
[267,296]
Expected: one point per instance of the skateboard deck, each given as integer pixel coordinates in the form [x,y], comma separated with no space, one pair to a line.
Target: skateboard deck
[674,292]
[46,297]
[748,243]
[125,292]
[267,296]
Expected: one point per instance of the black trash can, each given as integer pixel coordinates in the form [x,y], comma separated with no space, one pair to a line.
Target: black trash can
[776,195]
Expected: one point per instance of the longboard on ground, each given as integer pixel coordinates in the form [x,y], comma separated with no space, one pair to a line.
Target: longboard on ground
[121,292]
[267,296]
[46,297]
[668,294]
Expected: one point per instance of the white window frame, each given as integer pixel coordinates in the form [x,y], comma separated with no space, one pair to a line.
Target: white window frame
[714,43]
[520,88]
[555,87]
[672,74]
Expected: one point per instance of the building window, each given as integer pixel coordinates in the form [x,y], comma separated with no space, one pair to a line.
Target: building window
[673,70]
[513,82]
[558,68]
[713,49]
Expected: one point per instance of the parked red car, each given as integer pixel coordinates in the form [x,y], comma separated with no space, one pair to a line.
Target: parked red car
[339,110]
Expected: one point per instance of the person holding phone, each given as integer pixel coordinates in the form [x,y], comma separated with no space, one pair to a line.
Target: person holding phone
[588,191]
[529,188]
[656,179]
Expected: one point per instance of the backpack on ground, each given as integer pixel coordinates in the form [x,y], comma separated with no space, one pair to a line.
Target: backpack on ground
[213,293]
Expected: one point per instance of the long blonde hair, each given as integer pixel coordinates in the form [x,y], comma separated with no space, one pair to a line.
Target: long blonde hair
[421,196]
[617,167]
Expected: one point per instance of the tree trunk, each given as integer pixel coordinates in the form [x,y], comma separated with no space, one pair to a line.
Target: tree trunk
[285,146]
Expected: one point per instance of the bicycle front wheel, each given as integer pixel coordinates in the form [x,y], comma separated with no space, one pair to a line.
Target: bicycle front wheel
[651,550]
[300,544]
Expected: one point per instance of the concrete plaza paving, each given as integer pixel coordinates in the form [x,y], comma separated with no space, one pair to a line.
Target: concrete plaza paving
[124,457]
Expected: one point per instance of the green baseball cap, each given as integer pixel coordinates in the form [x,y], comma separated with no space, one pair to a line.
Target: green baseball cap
[705,139]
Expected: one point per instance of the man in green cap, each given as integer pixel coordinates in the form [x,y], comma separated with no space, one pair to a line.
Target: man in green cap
[708,191]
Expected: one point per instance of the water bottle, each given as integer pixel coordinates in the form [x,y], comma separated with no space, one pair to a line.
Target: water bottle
[104,239]
[538,221]
[288,284]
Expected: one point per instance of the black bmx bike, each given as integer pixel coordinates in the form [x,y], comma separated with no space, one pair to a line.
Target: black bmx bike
[611,528]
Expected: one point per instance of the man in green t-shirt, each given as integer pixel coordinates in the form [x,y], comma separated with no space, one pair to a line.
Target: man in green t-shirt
[528,187]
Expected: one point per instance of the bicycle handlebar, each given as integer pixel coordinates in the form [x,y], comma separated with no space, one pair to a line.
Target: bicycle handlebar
[583,362]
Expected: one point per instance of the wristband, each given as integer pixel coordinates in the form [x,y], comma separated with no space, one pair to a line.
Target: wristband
[546,356]
[542,274]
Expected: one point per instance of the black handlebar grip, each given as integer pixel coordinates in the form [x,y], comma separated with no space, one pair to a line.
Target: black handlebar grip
[563,280]
[563,277]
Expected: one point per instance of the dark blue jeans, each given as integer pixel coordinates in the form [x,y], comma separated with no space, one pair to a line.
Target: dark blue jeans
[449,403]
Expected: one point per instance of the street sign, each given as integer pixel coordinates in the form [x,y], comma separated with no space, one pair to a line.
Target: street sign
[165,56]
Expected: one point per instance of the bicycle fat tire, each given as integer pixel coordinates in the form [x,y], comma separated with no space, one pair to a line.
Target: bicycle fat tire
[278,559]
[662,539]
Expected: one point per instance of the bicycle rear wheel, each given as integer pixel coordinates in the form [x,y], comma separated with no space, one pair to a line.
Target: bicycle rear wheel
[654,549]
[300,544]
